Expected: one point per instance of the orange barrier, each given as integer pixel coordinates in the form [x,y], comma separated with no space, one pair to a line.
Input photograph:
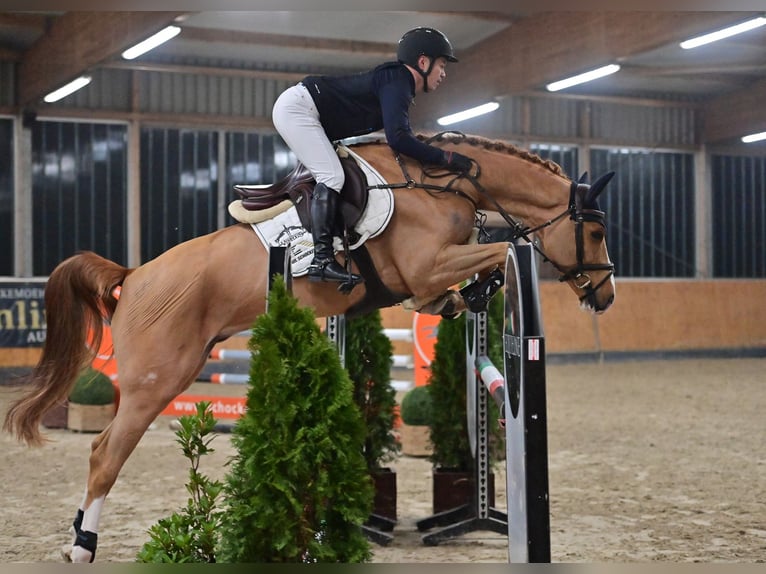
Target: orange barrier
[424,329]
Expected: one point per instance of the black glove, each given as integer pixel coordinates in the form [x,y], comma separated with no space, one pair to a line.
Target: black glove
[458,162]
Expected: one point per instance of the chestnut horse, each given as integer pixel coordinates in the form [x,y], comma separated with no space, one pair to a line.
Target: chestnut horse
[173,309]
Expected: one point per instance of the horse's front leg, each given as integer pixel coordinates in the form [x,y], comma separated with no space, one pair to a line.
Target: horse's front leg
[454,264]
[449,305]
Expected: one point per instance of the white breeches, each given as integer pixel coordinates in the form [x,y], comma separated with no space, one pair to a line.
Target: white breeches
[297,120]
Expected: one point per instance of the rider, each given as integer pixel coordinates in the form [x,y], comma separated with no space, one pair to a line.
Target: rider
[322,109]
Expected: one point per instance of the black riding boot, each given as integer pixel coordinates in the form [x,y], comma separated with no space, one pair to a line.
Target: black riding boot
[324,266]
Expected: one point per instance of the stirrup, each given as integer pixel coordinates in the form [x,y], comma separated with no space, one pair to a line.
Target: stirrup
[323,271]
[477,294]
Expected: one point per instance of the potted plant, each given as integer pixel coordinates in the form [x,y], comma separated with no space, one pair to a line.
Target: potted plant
[368,362]
[453,481]
[298,488]
[415,412]
[91,402]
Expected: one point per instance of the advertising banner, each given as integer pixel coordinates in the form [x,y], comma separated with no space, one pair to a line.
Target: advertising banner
[22,313]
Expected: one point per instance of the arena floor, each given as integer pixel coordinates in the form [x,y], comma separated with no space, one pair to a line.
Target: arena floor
[649,461]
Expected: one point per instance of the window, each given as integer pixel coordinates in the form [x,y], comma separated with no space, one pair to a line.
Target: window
[179,183]
[6,196]
[649,209]
[739,216]
[254,159]
[78,191]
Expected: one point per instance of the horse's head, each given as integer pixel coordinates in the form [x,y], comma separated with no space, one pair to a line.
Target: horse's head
[576,245]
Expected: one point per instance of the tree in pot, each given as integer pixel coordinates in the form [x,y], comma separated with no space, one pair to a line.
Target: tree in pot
[298,488]
[368,362]
[91,402]
[452,457]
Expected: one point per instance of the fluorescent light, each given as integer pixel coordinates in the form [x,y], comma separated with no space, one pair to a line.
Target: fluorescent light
[151,42]
[725,33]
[69,88]
[754,137]
[467,114]
[582,78]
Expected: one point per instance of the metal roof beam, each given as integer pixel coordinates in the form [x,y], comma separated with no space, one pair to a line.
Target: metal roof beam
[78,41]
[381,49]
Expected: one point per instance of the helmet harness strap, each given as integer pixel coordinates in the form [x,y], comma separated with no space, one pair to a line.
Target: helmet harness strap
[427,72]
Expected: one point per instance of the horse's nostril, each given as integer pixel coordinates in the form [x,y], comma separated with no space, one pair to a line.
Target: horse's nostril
[610,300]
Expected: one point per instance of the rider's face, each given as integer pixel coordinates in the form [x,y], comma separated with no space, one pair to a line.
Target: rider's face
[438,72]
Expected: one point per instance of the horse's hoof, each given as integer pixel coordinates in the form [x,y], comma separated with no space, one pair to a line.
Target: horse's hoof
[66,552]
[451,316]
[79,554]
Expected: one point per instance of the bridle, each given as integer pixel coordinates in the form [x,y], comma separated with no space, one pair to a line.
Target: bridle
[576,210]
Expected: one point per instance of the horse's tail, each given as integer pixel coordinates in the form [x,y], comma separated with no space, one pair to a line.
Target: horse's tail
[78,296]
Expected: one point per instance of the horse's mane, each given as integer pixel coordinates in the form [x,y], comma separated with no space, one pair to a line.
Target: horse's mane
[478,141]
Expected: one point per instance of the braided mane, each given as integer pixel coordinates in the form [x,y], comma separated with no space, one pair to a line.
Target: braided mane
[478,141]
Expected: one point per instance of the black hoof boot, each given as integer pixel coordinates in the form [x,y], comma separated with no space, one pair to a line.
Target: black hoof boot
[477,294]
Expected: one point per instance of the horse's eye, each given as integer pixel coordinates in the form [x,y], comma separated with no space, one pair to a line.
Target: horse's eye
[597,235]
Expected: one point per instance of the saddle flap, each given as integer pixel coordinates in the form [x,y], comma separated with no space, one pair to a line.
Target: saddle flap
[354,195]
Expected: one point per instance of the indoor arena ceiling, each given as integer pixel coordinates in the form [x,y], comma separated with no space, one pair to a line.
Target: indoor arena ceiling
[501,53]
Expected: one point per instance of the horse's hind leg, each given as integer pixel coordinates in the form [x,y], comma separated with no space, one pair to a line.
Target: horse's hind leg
[140,404]
[109,451]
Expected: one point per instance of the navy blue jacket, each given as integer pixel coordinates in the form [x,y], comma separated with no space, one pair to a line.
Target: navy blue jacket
[358,104]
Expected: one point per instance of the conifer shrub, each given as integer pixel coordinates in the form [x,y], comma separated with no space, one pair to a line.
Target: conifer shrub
[447,389]
[298,489]
[368,355]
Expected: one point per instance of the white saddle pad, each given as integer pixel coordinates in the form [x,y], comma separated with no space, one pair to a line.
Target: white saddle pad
[285,229]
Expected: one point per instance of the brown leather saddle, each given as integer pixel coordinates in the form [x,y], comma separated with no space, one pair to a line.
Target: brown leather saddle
[298,186]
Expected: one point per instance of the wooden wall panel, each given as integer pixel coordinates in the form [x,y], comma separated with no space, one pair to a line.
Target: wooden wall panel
[647,316]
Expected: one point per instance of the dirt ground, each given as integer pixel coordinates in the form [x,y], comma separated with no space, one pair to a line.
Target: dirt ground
[649,461]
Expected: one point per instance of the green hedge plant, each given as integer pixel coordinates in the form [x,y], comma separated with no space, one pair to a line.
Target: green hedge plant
[416,406]
[92,388]
[192,534]
[447,387]
[368,355]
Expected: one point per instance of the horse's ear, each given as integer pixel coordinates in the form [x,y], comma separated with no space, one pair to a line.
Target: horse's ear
[597,187]
[583,178]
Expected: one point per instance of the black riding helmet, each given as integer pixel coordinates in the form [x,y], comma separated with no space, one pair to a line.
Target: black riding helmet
[423,41]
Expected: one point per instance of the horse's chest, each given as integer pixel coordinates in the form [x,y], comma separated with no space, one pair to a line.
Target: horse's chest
[459,225]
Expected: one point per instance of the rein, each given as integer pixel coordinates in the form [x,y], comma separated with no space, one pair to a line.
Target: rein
[575,210]
[410,183]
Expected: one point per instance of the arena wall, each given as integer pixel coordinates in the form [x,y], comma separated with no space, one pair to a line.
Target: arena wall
[651,316]
[648,316]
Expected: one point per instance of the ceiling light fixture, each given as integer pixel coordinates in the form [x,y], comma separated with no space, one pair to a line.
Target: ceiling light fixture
[724,33]
[67,89]
[151,42]
[467,114]
[582,78]
[754,137]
